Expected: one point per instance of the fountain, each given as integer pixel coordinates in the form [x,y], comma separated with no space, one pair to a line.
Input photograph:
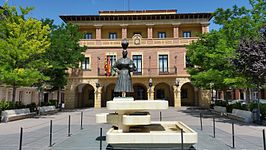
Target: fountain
[132,125]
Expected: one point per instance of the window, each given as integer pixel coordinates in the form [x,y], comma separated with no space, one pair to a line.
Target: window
[137,59]
[112,36]
[161,35]
[85,64]
[186,34]
[163,63]
[112,59]
[109,62]
[88,35]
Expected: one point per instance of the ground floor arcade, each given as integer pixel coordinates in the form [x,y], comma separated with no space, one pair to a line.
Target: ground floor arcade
[80,93]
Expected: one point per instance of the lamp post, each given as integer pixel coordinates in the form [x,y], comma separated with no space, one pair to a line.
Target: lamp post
[97,85]
[177,82]
[175,65]
[98,63]
[150,82]
[149,69]
[150,85]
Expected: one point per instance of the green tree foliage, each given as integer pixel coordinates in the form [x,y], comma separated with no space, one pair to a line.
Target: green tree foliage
[64,52]
[23,41]
[212,53]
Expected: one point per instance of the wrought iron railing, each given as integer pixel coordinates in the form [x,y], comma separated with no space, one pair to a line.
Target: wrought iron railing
[143,72]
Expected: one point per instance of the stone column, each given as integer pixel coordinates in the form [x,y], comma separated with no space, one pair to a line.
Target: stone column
[177,96]
[176,30]
[150,93]
[124,31]
[70,98]
[98,32]
[150,31]
[205,27]
[98,97]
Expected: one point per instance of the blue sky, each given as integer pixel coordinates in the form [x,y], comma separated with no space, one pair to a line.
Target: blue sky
[53,8]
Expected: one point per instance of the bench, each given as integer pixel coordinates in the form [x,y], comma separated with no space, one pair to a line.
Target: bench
[47,110]
[16,114]
[241,115]
[219,110]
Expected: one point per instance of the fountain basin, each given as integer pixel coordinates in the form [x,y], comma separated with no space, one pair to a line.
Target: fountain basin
[157,135]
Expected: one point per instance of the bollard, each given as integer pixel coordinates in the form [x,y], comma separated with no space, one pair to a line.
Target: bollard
[51,133]
[213,127]
[81,119]
[182,140]
[101,138]
[160,116]
[201,121]
[20,140]
[69,125]
[263,133]
[233,135]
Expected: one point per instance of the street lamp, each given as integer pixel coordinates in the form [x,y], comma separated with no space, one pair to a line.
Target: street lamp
[177,82]
[98,63]
[97,85]
[150,82]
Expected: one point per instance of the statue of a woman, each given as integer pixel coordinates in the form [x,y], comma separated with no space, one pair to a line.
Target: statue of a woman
[123,67]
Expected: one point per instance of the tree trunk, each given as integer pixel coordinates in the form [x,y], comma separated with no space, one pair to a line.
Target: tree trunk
[248,99]
[14,94]
[216,94]
[225,96]
[58,96]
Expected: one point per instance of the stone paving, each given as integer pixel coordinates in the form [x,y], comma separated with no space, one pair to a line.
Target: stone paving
[36,131]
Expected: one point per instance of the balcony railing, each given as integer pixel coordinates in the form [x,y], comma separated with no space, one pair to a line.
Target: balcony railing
[133,43]
[144,72]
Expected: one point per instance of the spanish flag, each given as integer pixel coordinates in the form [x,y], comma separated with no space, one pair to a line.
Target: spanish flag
[107,66]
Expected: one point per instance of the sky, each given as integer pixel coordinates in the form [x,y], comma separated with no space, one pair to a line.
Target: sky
[53,8]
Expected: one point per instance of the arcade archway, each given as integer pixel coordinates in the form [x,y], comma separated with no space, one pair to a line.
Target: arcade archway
[188,95]
[85,96]
[162,91]
[140,92]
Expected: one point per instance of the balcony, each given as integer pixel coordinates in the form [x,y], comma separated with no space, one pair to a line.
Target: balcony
[137,42]
[145,72]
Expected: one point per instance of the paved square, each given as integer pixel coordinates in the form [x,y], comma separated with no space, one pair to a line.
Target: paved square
[36,131]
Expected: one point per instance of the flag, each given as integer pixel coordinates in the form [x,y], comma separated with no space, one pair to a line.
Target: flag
[107,66]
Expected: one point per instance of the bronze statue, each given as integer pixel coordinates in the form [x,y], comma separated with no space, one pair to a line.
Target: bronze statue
[123,67]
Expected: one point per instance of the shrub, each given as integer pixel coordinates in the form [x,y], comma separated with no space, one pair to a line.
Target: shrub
[44,103]
[262,109]
[220,103]
[52,102]
[32,107]
[19,105]
[6,105]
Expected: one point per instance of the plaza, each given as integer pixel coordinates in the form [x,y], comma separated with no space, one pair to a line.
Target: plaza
[179,82]
[36,131]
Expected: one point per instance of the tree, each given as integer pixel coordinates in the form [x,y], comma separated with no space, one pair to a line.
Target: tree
[213,52]
[251,59]
[64,53]
[23,41]
[210,56]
